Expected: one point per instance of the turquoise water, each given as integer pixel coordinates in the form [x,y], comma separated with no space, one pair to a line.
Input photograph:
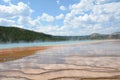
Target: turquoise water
[18,45]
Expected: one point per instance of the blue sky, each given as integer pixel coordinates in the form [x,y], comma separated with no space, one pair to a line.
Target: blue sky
[62,17]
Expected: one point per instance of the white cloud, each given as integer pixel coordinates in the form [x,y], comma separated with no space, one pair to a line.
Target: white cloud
[46,17]
[11,15]
[6,22]
[54,30]
[61,16]
[15,10]
[36,24]
[58,1]
[62,8]
[25,21]
[85,17]
[7,1]
[105,1]
[19,26]
[82,7]
[49,29]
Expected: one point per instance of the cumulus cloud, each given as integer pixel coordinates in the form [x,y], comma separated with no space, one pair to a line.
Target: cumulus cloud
[46,17]
[26,21]
[105,1]
[15,10]
[6,22]
[11,15]
[62,8]
[19,15]
[61,16]
[6,1]
[87,17]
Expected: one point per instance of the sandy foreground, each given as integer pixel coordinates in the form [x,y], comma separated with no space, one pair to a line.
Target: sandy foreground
[75,67]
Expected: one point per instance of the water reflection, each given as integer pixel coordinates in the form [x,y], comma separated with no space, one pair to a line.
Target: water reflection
[57,55]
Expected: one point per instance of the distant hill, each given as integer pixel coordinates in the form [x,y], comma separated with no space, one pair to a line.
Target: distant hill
[115,35]
[14,34]
[94,36]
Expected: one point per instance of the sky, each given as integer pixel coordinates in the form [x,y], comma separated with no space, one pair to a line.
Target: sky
[62,17]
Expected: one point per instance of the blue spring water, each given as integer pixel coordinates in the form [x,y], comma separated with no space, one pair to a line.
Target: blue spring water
[31,44]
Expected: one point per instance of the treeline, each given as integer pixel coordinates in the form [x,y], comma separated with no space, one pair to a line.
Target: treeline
[14,34]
